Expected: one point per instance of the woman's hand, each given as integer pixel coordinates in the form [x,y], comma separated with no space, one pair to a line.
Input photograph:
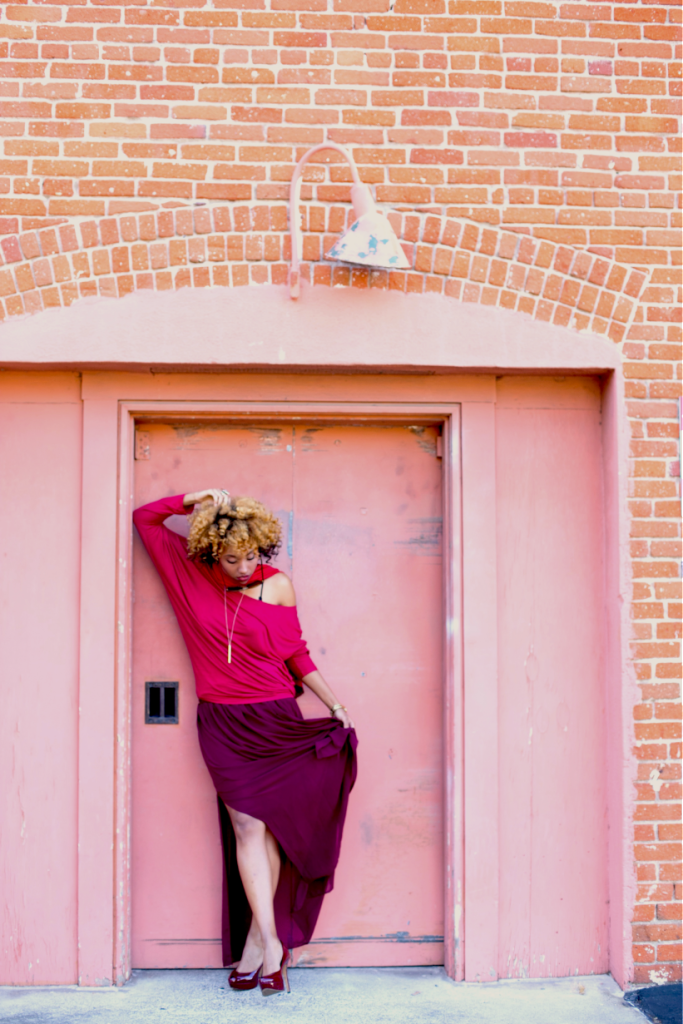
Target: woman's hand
[343,716]
[219,497]
[315,682]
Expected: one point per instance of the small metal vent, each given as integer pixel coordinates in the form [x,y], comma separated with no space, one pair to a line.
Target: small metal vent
[161,703]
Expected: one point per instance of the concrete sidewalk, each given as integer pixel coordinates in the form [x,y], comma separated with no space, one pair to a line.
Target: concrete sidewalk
[411,995]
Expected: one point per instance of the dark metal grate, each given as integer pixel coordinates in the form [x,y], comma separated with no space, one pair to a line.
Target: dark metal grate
[161,703]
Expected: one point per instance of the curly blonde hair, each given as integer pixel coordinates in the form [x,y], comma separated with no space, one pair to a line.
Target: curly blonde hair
[242,523]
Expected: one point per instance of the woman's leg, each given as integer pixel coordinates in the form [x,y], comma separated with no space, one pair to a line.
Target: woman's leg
[252,955]
[273,858]
[258,859]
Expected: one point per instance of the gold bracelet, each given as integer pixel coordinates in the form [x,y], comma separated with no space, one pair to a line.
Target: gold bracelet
[337,707]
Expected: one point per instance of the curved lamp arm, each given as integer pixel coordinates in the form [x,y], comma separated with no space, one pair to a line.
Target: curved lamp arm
[360,197]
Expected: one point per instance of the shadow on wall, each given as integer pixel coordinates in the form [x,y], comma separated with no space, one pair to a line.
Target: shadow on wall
[662,1004]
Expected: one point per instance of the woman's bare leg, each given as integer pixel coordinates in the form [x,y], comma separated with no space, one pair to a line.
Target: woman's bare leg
[273,858]
[252,954]
[258,859]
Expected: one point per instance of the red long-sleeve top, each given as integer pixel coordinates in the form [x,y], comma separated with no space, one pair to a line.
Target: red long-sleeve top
[268,651]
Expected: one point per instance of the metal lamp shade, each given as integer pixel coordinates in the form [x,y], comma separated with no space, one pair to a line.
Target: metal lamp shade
[370,242]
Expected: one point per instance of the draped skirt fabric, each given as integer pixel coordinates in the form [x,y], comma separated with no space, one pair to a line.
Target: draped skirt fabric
[295,775]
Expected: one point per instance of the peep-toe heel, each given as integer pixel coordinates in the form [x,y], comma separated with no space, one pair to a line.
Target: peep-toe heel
[242,981]
[278,981]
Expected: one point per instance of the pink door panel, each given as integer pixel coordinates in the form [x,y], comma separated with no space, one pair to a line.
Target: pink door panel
[176,858]
[367,541]
[361,508]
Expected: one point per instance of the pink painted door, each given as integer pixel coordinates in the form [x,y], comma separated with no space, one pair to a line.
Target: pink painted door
[361,510]
[553,805]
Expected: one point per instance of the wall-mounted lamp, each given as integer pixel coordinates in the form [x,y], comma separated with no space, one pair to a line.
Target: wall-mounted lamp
[369,242]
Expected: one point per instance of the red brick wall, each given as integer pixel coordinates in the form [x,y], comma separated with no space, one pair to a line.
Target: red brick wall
[529,149]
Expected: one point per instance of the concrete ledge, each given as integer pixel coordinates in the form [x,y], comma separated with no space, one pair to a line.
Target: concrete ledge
[327,329]
[418,995]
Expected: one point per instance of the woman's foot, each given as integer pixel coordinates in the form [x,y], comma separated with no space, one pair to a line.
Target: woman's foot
[272,956]
[242,982]
[252,954]
[275,981]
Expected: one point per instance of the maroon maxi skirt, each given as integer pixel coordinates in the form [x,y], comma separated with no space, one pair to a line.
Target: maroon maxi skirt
[295,775]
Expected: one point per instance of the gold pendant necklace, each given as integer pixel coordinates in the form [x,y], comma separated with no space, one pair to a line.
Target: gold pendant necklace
[230,632]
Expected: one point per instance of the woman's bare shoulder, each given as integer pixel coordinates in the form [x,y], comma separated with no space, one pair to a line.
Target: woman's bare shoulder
[281,590]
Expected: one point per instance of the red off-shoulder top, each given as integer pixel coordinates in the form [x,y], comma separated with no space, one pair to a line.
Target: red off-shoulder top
[268,651]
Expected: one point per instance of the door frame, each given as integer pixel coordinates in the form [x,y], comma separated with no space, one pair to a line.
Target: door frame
[112,403]
[447,416]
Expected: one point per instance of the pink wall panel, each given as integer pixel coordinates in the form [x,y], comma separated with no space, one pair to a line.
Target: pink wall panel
[623,692]
[40,442]
[553,835]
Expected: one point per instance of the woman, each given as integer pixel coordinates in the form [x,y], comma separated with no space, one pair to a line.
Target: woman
[282,781]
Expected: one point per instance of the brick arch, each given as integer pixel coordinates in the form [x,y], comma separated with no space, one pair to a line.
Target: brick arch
[218,246]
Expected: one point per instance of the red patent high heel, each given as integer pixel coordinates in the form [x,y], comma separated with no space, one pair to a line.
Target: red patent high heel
[241,981]
[271,984]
